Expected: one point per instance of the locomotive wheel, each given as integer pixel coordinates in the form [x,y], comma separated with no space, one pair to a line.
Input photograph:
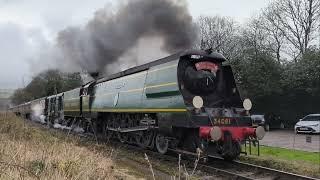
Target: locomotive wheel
[123,137]
[232,152]
[190,142]
[162,144]
[123,122]
[107,133]
[144,138]
[230,149]
[49,124]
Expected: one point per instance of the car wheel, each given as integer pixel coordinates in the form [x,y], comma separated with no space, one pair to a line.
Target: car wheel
[281,125]
[295,131]
[267,127]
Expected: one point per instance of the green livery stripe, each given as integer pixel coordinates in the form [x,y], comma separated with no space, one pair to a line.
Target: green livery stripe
[162,94]
[161,85]
[137,110]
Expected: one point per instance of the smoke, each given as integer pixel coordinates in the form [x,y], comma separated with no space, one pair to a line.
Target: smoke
[111,38]
[143,51]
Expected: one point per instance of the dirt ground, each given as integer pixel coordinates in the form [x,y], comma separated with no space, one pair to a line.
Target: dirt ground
[288,139]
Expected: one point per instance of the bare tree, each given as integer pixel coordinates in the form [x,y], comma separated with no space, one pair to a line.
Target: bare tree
[298,21]
[255,38]
[220,34]
[275,37]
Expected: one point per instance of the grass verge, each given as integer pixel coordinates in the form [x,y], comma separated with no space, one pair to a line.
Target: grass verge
[28,152]
[295,161]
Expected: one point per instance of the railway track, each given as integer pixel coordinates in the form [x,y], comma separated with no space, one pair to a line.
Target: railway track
[227,169]
[213,166]
[242,170]
[251,171]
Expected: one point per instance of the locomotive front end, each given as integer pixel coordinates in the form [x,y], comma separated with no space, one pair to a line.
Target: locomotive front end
[214,105]
[229,128]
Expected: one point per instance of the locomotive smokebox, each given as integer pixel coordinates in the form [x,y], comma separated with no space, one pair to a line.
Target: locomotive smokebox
[94,75]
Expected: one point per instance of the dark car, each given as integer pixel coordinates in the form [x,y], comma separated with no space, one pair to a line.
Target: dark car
[258,120]
[268,121]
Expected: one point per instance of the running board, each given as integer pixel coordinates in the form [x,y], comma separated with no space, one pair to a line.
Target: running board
[133,129]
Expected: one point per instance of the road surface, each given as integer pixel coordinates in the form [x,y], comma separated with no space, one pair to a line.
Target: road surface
[288,139]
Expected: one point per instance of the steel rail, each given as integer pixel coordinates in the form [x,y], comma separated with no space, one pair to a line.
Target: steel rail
[280,172]
[272,173]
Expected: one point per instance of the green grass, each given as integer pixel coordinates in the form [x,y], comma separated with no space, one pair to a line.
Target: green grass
[295,161]
[289,154]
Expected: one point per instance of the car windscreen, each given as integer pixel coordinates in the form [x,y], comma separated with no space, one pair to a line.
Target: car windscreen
[311,118]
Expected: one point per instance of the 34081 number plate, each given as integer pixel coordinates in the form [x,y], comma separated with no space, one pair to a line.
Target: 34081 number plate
[222,121]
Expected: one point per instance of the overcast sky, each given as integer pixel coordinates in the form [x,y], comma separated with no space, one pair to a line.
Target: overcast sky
[27,26]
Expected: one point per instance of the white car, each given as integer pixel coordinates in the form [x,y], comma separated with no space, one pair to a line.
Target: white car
[309,124]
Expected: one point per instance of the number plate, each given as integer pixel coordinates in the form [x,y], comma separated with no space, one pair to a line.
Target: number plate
[222,121]
[303,128]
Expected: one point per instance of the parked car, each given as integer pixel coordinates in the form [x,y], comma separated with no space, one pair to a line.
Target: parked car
[268,121]
[258,119]
[308,124]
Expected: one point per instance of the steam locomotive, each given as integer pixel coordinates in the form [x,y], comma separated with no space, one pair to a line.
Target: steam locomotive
[187,101]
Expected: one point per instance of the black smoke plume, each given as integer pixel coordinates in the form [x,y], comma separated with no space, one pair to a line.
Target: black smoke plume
[110,34]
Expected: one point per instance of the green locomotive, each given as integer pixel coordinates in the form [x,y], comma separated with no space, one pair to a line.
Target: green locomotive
[186,101]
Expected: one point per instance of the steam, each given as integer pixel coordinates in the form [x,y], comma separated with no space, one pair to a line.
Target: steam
[37,113]
[110,37]
[38,116]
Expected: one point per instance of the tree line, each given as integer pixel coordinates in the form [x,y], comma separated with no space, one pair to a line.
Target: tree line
[47,83]
[275,56]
